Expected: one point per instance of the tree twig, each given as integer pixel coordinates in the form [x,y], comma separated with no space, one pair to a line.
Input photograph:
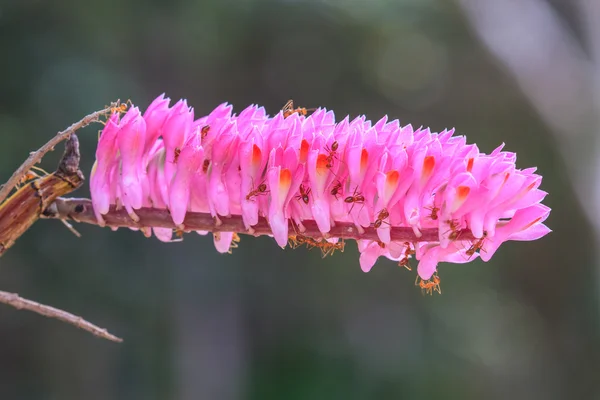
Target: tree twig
[13,299]
[81,210]
[36,156]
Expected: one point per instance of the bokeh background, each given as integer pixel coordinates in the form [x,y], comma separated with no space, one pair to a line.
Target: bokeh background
[264,323]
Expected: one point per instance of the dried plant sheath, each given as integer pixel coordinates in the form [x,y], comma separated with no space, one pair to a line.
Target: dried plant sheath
[27,204]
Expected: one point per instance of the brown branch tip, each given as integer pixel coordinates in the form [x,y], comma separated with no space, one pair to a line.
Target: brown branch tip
[20,303]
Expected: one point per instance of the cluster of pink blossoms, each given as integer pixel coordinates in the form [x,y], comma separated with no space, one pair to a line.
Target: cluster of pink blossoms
[307,168]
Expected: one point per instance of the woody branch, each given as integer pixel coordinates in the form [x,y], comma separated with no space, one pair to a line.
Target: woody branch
[81,210]
[20,303]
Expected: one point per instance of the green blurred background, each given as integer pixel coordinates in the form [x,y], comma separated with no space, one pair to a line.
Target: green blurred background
[264,323]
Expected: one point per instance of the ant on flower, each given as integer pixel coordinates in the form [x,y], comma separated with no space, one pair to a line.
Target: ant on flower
[336,189]
[204,131]
[407,253]
[205,165]
[308,241]
[115,108]
[477,245]
[293,242]
[434,212]
[331,154]
[303,194]
[355,198]
[288,109]
[262,189]
[429,286]
[454,230]
[178,234]
[177,153]
[330,248]
[120,107]
[383,214]
[234,243]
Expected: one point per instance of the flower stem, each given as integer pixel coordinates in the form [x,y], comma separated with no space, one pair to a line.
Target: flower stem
[81,210]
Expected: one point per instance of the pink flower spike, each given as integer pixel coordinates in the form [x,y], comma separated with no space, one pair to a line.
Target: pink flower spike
[320,176]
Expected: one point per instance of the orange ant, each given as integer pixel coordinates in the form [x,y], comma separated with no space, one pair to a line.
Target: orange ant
[383,214]
[30,176]
[308,241]
[355,198]
[293,242]
[434,212]
[330,248]
[407,253]
[429,286]
[326,247]
[454,227]
[303,194]
[234,243]
[262,189]
[404,263]
[476,246]
[331,154]
[204,131]
[179,234]
[115,108]
[336,189]
[205,165]
[288,109]
[177,153]
[120,107]
[297,240]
